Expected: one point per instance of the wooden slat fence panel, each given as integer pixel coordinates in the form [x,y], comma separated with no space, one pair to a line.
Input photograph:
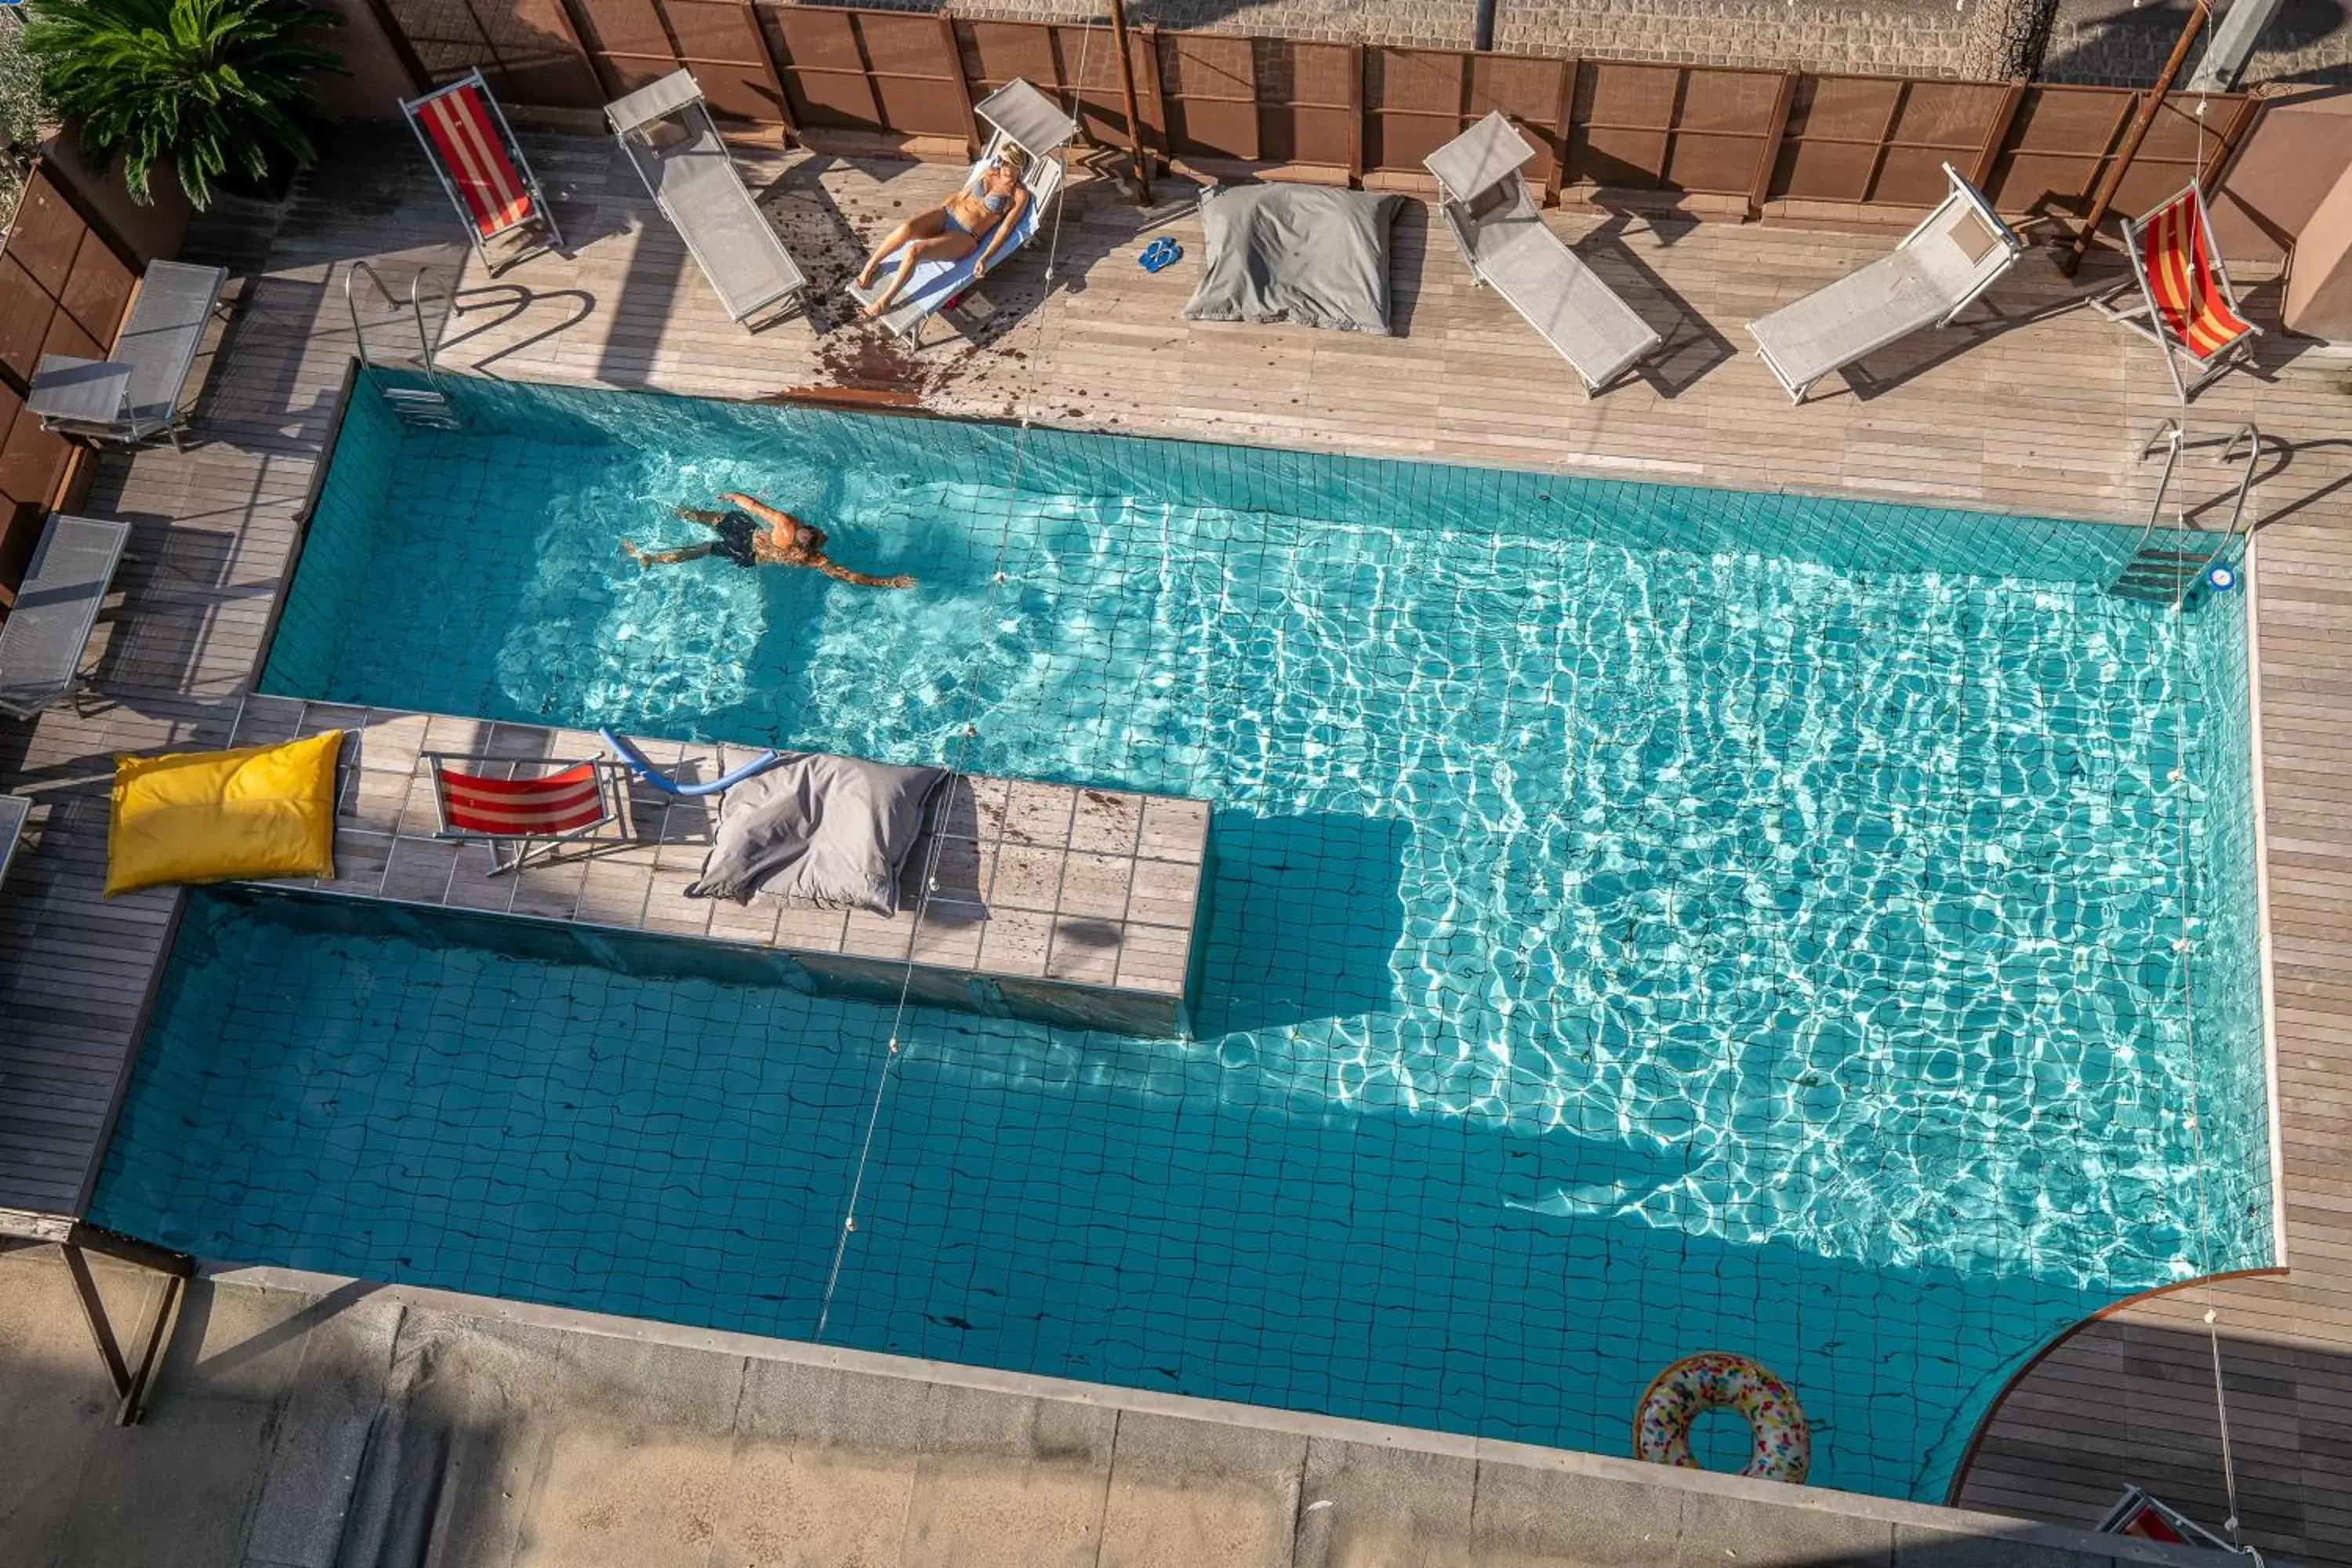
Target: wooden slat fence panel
[1086,81]
[1309,109]
[914,74]
[822,63]
[1210,83]
[63,290]
[2058,148]
[1763,136]
[633,42]
[528,50]
[1416,100]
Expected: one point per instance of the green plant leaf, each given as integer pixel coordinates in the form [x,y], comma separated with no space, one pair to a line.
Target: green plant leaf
[194,84]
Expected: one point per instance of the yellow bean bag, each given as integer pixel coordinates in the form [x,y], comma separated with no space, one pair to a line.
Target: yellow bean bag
[212,816]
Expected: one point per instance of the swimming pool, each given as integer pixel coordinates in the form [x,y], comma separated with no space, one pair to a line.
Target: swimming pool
[1645,920]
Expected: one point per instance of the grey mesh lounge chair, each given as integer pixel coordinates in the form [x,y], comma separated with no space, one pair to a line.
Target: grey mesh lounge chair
[1499,225]
[14,810]
[137,393]
[1027,118]
[42,643]
[671,140]
[1955,254]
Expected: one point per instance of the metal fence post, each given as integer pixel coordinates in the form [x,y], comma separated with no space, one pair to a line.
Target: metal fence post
[1357,99]
[954,47]
[1768,157]
[1563,129]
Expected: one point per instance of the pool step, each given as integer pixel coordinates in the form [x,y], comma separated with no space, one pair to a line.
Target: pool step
[2164,577]
[2161,575]
[421,408]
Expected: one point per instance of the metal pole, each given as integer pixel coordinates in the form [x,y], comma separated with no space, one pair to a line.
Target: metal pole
[2073,258]
[1127,95]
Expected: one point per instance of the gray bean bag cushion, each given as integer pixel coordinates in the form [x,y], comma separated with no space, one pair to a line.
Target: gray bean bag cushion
[1307,254]
[819,832]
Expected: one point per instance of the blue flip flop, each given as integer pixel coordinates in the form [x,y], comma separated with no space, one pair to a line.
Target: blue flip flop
[1160,254]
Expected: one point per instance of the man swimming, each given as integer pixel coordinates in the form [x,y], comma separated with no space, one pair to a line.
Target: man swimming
[785,542]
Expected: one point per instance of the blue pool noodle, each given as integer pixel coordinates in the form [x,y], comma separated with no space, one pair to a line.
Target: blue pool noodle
[668,786]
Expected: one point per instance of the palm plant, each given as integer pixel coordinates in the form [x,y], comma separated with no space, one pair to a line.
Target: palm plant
[210,87]
[22,112]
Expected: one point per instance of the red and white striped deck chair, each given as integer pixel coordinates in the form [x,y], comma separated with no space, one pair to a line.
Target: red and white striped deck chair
[2145,1518]
[538,806]
[473,149]
[2186,305]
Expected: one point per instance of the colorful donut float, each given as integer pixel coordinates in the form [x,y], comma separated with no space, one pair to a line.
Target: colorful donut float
[1719,1379]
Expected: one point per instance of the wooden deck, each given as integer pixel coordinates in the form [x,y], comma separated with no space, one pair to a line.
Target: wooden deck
[2043,411]
[1072,906]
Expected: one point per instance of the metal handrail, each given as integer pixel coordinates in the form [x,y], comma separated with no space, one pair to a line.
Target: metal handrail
[416,310]
[2253,440]
[2169,432]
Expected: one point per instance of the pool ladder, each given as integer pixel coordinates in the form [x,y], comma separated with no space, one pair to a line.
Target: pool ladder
[426,407]
[2161,573]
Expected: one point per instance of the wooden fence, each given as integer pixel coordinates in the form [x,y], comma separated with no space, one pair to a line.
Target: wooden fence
[1743,141]
[64,286]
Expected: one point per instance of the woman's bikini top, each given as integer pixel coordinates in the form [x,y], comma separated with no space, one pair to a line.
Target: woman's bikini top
[976,187]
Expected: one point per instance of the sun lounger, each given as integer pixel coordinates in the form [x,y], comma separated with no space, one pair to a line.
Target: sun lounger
[672,142]
[1498,222]
[471,147]
[1023,117]
[42,643]
[1955,255]
[14,810]
[536,805]
[2186,305]
[136,394]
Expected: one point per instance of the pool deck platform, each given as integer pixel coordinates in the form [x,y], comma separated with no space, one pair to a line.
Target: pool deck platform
[2034,404]
[1067,906]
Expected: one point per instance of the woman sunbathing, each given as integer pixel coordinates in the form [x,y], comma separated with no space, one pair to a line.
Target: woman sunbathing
[988,209]
[785,542]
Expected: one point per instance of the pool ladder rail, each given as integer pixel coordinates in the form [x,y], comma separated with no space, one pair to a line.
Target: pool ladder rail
[426,407]
[2163,573]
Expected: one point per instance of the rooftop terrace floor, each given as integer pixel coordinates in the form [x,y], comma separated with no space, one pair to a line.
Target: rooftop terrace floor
[2038,406]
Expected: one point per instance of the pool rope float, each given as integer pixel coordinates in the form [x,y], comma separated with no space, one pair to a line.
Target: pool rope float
[1719,1379]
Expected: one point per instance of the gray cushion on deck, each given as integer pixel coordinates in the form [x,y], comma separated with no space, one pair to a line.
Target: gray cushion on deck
[818,832]
[1307,254]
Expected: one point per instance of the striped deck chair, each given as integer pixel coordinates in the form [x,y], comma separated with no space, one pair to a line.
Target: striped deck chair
[472,147]
[537,807]
[2145,1517]
[2185,305]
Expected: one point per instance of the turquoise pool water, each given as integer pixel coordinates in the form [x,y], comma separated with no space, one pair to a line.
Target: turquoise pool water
[1644,921]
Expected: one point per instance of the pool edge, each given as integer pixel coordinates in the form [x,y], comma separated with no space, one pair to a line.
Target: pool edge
[2264,960]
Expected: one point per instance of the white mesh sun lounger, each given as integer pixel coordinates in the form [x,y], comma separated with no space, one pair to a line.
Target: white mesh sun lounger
[1027,118]
[671,140]
[146,379]
[42,645]
[1496,220]
[1955,254]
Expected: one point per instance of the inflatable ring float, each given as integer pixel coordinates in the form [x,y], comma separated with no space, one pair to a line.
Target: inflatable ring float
[1717,1380]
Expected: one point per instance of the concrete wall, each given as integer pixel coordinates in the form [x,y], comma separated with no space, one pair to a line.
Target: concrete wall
[2110,41]
[2319,284]
[2298,153]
